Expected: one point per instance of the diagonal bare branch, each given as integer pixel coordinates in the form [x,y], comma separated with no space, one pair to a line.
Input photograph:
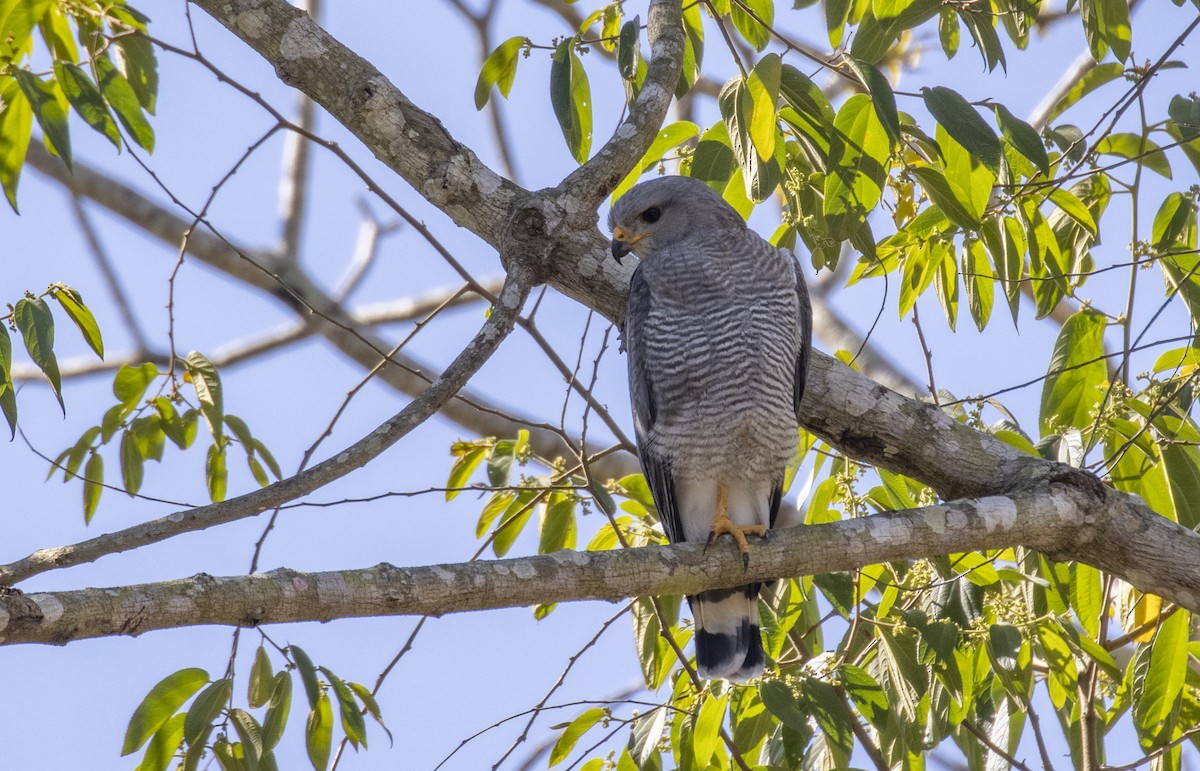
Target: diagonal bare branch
[495,329]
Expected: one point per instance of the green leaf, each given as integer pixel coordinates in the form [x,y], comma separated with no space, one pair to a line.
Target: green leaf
[970,181]
[352,719]
[163,700]
[278,711]
[175,427]
[979,283]
[72,304]
[241,431]
[56,31]
[8,400]
[124,101]
[250,734]
[781,703]
[882,98]
[1185,111]
[934,183]
[132,464]
[515,517]
[499,70]
[946,286]
[1077,376]
[811,107]
[1112,21]
[308,674]
[1162,686]
[754,19]
[262,679]
[1073,208]
[268,458]
[1094,78]
[761,175]
[135,53]
[36,324]
[131,382]
[1171,221]
[1182,466]
[836,13]
[93,485]
[866,693]
[763,87]
[206,709]
[964,123]
[1086,597]
[670,137]
[571,98]
[708,729]
[948,32]
[462,469]
[1136,148]
[693,49]
[204,378]
[51,114]
[645,735]
[1023,138]
[163,746]
[216,473]
[713,160]
[571,735]
[85,97]
[859,157]
[197,751]
[318,733]
[16,121]
[558,527]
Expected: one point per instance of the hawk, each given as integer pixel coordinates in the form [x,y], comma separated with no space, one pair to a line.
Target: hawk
[718,332]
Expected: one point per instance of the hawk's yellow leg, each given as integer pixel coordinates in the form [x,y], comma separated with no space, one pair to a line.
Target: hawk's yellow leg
[723,524]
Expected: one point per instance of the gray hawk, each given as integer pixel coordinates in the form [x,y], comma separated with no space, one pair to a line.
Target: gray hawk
[718,332]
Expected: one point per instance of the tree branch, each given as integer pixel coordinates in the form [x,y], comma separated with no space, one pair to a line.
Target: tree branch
[494,330]
[591,183]
[1063,521]
[289,284]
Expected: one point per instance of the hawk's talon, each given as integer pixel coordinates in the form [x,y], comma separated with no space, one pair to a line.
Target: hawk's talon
[723,524]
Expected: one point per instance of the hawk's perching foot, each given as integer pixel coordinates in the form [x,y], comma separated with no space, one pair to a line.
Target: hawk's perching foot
[723,524]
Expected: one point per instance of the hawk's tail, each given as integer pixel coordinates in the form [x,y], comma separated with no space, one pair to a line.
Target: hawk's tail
[728,644]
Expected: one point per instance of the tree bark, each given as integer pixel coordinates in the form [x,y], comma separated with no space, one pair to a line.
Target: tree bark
[1008,498]
[1114,532]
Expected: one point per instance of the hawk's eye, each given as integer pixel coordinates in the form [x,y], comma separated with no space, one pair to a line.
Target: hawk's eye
[651,215]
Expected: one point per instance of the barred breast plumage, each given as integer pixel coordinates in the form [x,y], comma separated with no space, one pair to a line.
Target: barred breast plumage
[718,333]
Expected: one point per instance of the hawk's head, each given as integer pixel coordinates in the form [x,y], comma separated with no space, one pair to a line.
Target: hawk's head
[663,211]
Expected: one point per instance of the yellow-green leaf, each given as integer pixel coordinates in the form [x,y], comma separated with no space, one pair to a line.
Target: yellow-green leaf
[763,86]
[571,735]
[72,303]
[858,165]
[163,700]
[499,70]
[1077,376]
[163,746]
[318,733]
[1136,148]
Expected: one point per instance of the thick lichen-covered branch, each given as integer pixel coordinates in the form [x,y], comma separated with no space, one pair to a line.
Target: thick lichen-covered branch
[1112,531]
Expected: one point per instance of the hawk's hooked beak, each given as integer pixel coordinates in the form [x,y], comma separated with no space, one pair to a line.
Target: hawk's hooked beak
[622,244]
